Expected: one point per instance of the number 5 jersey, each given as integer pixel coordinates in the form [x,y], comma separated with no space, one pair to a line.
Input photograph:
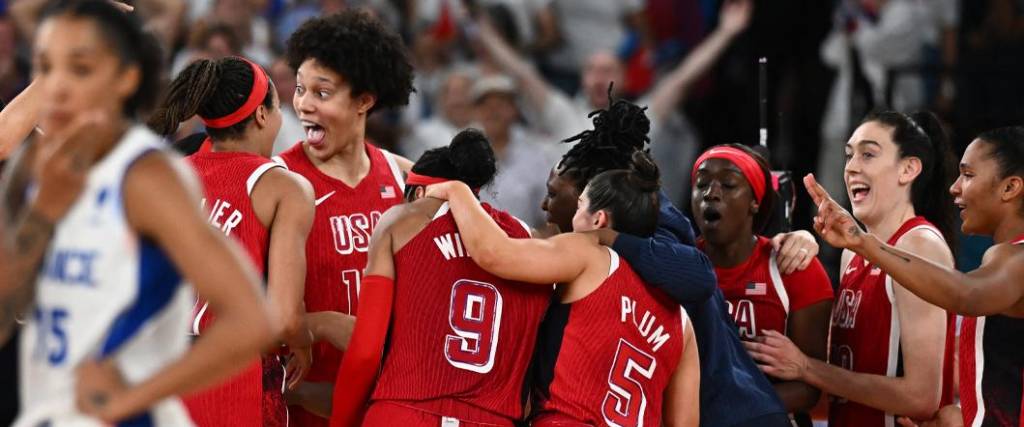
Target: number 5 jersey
[607,359]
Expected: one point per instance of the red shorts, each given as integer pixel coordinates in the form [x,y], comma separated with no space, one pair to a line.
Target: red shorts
[430,414]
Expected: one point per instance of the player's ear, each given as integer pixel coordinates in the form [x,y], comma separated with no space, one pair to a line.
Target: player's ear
[420,192]
[602,220]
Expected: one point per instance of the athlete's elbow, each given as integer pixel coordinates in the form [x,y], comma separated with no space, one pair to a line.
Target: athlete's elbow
[923,405]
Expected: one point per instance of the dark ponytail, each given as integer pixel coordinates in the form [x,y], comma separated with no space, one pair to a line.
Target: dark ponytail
[211,89]
[124,34]
[630,196]
[921,135]
[468,158]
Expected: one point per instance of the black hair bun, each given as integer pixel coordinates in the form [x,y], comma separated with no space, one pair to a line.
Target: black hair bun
[644,172]
[472,158]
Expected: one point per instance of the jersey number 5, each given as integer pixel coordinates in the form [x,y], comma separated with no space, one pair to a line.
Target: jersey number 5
[474,315]
[625,403]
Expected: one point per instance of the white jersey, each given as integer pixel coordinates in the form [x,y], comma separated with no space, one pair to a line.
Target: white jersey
[102,291]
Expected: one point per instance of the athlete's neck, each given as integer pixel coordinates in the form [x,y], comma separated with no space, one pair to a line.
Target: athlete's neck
[890,223]
[349,163]
[234,146]
[730,253]
[108,140]
[1009,228]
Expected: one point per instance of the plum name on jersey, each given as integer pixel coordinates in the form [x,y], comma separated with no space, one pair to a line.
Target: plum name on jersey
[352,232]
[657,337]
[844,314]
[745,316]
[450,245]
[71,267]
[217,218]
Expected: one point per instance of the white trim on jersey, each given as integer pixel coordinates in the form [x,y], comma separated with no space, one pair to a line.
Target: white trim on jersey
[199,317]
[280,161]
[684,320]
[979,371]
[780,287]
[395,170]
[894,343]
[529,231]
[441,211]
[250,183]
[614,264]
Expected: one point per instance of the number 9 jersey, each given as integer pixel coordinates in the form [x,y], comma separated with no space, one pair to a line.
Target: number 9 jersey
[461,338]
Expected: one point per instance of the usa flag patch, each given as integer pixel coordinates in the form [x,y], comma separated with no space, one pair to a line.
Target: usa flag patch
[756,288]
[387,192]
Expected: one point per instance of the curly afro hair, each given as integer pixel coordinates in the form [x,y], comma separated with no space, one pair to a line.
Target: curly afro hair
[371,58]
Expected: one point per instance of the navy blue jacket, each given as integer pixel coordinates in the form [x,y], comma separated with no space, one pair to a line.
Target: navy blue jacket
[732,388]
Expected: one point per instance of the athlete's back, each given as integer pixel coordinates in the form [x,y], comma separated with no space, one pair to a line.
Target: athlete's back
[608,357]
[461,338]
[254,396]
[102,292]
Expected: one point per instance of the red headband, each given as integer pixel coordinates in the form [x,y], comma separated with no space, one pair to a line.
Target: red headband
[260,83]
[413,178]
[748,166]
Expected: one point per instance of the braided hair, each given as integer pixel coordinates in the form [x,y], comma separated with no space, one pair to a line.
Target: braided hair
[619,131]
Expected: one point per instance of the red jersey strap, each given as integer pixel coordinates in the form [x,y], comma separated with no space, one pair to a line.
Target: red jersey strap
[362,360]
[1016,241]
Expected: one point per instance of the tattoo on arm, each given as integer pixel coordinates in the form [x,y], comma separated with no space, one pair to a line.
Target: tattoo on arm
[20,264]
[854,230]
[895,253]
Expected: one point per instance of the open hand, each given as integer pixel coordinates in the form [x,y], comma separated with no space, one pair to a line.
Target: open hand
[62,163]
[833,223]
[778,356]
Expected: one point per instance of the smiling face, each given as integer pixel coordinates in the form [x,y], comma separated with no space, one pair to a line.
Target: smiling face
[561,201]
[77,68]
[874,173]
[332,117]
[976,190]
[723,204]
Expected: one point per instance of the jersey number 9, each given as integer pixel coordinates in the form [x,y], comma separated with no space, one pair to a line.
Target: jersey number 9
[474,315]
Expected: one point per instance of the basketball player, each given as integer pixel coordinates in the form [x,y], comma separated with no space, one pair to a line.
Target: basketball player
[888,346]
[734,392]
[988,192]
[732,200]
[347,66]
[266,208]
[96,247]
[460,339]
[616,351]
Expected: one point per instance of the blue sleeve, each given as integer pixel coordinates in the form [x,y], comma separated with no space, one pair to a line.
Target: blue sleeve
[680,270]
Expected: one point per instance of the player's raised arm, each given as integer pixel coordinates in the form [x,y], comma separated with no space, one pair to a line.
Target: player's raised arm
[503,256]
[991,289]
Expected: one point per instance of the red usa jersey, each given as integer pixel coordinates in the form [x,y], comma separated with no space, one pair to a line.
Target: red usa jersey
[760,298]
[992,370]
[228,179]
[610,356]
[459,336]
[866,332]
[252,397]
[337,243]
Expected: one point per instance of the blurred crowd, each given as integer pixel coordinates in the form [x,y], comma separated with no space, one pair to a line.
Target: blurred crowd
[528,72]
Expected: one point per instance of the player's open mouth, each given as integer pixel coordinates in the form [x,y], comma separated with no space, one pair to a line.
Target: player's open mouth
[711,215]
[314,133]
[859,192]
